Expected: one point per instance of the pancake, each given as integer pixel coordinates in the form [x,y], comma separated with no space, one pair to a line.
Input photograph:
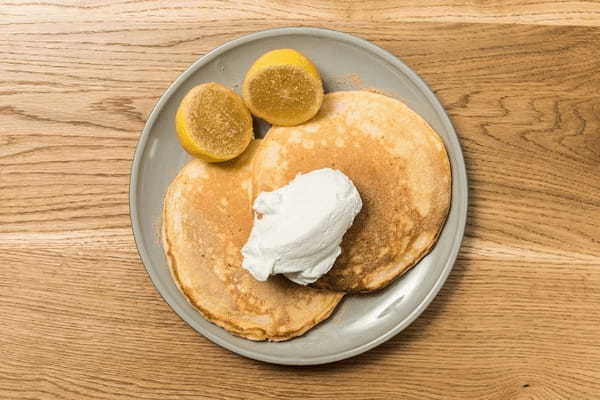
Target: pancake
[398,164]
[207,218]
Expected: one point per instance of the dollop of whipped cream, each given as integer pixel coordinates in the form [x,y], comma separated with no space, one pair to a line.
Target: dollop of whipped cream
[301,225]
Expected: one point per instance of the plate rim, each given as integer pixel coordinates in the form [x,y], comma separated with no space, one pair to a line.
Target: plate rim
[460,169]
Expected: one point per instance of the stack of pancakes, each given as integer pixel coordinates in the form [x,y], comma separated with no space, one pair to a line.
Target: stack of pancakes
[398,164]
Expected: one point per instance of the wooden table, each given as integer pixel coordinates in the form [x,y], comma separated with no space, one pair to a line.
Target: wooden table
[519,317]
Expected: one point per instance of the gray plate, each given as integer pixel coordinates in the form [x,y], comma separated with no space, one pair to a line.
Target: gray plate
[360,322]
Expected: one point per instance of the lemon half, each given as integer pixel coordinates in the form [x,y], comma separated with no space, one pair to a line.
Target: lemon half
[213,123]
[283,87]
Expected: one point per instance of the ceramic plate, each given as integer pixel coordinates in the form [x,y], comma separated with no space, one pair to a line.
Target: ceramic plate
[345,62]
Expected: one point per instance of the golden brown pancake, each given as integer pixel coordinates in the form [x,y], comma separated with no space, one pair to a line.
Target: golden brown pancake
[207,218]
[398,164]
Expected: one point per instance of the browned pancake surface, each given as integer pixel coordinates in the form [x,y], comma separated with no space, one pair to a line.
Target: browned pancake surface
[207,218]
[398,164]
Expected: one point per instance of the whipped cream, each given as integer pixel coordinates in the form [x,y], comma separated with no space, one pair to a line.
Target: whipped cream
[301,226]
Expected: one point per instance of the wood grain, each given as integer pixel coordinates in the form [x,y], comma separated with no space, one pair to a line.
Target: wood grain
[519,317]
